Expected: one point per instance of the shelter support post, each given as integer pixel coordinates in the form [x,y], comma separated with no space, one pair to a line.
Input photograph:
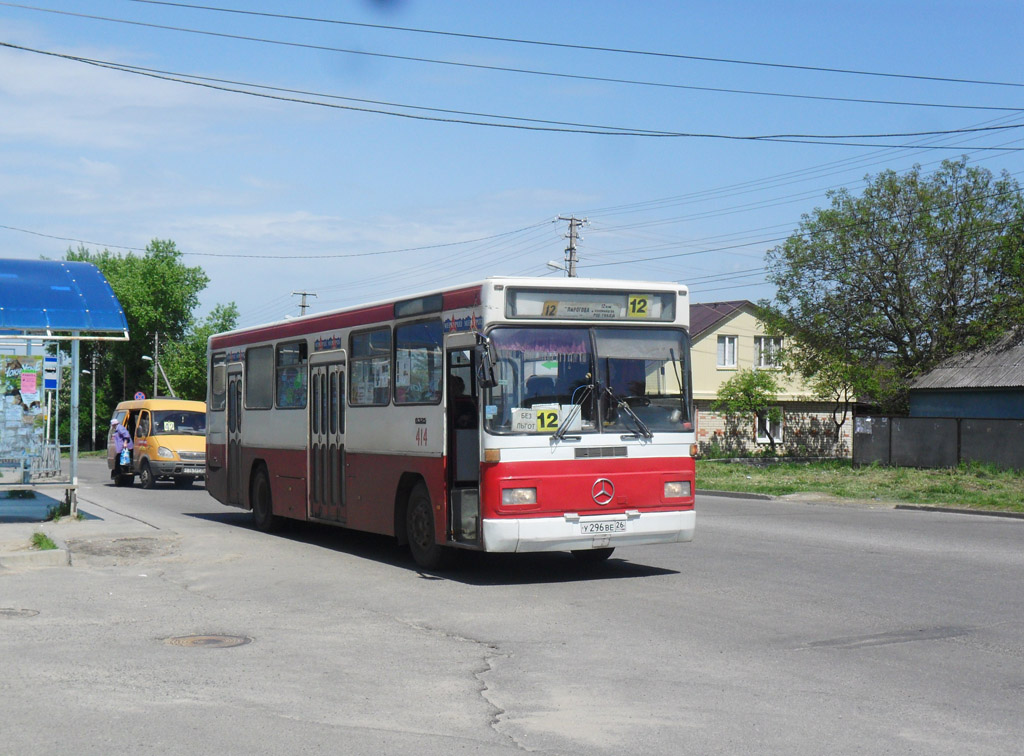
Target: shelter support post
[72,497]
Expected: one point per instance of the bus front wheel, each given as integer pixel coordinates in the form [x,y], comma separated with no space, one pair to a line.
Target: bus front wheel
[419,528]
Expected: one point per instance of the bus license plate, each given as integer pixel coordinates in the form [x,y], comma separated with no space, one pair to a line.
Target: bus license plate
[592,528]
[194,470]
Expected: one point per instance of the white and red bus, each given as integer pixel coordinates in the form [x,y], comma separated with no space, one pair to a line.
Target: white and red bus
[512,415]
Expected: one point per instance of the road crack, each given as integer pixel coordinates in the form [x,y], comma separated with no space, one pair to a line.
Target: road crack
[491,653]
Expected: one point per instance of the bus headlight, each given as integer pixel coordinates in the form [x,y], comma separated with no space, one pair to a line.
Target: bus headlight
[163,451]
[677,489]
[511,496]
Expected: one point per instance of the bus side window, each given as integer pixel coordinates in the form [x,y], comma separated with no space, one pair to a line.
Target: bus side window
[218,381]
[291,367]
[418,363]
[370,367]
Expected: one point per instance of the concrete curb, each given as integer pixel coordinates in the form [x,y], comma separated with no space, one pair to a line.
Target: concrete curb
[909,507]
[18,560]
[951,510]
[737,495]
[25,557]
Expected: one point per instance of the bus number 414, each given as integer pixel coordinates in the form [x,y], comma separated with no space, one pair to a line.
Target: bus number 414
[421,437]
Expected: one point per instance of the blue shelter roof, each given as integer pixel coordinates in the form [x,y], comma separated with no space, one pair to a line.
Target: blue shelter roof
[38,297]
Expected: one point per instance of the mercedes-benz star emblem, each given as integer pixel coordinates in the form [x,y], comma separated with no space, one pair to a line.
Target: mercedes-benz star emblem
[603,491]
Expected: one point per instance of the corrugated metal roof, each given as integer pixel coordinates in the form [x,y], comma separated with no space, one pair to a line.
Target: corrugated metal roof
[998,366]
[43,296]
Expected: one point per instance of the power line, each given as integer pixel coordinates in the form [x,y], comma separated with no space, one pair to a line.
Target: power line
[509,69]
[817,139]
[729,248]
[291,257]
[66,238]
[569,46]
[743,188]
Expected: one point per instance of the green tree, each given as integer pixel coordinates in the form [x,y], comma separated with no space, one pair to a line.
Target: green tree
[877,289]
[159,294]
[751,392]
[185,360]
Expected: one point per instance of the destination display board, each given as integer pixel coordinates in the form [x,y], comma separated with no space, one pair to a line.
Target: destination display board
[580,304]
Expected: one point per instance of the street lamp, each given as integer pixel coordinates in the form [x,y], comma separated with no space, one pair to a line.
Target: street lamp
[147,358]
[160,368]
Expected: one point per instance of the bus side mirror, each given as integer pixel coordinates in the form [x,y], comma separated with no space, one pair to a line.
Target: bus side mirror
[486,360]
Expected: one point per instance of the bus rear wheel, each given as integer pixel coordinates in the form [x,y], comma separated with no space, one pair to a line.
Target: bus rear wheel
[419,529]
[263,516]
[592,556]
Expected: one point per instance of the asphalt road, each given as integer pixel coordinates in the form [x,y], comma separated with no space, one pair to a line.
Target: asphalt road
[784,628]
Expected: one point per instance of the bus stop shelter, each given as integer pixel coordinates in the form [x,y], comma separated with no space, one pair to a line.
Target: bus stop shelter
[47,302]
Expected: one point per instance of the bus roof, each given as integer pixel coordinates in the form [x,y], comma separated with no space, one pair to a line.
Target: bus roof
[462,295]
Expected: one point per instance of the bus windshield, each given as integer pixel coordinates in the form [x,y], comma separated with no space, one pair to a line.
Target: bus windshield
[179,423]
[597,379]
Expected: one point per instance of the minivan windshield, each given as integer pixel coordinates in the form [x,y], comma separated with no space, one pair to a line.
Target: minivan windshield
[179,423]
[597,379]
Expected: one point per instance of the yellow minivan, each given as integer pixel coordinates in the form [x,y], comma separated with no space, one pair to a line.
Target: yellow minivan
[169,436]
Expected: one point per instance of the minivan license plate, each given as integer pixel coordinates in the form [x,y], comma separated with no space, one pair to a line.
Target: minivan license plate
[194,471]
[591,528]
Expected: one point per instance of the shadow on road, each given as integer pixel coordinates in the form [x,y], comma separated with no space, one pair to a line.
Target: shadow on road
[469,567]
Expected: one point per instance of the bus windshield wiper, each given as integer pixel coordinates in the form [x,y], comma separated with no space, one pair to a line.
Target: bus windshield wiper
[577,408]
[623,405]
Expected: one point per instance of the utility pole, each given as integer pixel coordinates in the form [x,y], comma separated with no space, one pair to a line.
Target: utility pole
[570,251]
[94,398]
[156,360]
[303,305]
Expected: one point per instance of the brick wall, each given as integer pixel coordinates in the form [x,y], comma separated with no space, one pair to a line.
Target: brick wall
[807,431]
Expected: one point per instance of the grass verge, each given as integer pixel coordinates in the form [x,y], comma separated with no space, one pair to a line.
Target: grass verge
[42,542]
[971,486]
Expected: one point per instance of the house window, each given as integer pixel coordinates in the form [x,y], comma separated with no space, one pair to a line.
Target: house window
[726,351]
[766,351]
[766,426]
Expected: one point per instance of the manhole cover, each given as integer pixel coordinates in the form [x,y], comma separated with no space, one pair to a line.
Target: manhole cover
[209,641]
[9,612]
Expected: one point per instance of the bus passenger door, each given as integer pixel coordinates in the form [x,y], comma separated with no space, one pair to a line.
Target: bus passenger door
[236,495]
[463,432]
[327,442]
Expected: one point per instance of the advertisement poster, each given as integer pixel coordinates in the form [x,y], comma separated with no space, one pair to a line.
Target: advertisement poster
[22,429]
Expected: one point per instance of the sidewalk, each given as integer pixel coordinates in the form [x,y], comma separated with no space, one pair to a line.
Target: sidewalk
[20,519]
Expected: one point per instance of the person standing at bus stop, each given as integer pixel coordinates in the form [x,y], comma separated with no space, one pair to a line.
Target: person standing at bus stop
[122,449]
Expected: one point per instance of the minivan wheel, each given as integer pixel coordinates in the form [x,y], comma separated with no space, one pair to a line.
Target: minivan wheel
[146,479]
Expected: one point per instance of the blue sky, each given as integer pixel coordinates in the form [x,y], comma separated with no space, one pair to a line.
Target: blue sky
[271,197]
